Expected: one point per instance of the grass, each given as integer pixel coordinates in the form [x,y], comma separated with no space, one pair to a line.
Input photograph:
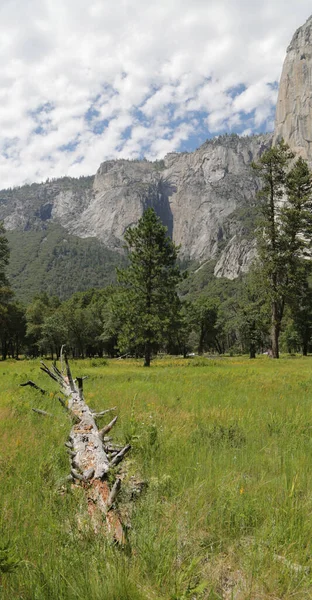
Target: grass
[226,448]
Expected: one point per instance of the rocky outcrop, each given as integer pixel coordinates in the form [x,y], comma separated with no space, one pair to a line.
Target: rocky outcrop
[294,106]
[193,193]
[208,186]
[236,258]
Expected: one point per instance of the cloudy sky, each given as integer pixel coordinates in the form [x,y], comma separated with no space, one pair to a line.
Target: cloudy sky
[83,81]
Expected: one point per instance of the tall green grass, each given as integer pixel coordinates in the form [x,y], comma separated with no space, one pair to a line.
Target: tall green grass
[226,448]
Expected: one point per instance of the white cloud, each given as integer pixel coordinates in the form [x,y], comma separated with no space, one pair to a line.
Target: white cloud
[147,75]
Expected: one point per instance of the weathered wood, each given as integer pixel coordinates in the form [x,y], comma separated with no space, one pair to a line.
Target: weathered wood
[46,370]
[118,458]
[107,428]
[62,402]
[77,475]
[69,375]
[96,415]
[114,493]
[90,460]
[80,388]
[88,474]
[34,385]
[57,371]
[42,412]
[91,456]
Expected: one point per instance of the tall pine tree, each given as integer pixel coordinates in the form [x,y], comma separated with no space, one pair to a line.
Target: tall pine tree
[5,290]
[148,303]
[286,221]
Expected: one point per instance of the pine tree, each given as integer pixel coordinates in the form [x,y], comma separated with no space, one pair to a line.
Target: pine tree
[286,221]
[148,303]
[5,290]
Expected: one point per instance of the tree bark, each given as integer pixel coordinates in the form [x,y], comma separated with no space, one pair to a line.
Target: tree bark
[275,330]
[147,354]
[91,461]
[252,350]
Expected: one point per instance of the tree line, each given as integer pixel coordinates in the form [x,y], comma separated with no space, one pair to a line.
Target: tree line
[145,313]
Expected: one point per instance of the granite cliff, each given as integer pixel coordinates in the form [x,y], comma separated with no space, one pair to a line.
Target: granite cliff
[293,120]
[200,196]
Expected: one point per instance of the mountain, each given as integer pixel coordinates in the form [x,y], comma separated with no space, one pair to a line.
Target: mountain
[293,120]
[49,259]
[206,199]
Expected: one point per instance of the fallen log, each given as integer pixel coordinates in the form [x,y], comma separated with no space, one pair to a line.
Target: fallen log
[91,460]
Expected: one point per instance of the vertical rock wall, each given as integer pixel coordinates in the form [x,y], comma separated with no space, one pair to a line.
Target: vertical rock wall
[293,120]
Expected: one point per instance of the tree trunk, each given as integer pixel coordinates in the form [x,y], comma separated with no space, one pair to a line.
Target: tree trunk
[147,354]
[92,455]
[275,330]
[305,348]
[4,350]
[218,346]
[252,350]
[201,341]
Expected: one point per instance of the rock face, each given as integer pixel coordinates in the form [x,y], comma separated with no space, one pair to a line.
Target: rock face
[207,186]
[294,106]
[195,194]
[236,258]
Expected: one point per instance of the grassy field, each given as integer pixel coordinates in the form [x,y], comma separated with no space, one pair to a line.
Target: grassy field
[226,448]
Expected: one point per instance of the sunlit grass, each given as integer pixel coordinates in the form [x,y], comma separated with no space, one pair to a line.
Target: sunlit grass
[226,448]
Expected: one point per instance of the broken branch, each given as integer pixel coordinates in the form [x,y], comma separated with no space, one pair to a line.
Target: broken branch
[103,412]
[42,412]
[107,428]
[114,492]
[34,385]
[118,458]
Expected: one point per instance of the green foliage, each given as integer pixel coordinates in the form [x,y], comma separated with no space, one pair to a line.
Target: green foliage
[148,303]
[205,315]
[51,260]
[286,221]
[6,314]
[5,291]
[78,322]
[8,560]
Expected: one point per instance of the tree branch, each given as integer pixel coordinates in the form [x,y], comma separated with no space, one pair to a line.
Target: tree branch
[107,428]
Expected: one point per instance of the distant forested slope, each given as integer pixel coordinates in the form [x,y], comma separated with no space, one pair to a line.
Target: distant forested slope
[53,261]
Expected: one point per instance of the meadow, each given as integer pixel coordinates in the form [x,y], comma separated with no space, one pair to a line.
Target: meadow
[225,446]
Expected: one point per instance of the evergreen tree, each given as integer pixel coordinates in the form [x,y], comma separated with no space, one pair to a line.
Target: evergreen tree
[13,330]
[148,302]
[205,317]
[300,306]
[286,217]
[5,290]
[251,316]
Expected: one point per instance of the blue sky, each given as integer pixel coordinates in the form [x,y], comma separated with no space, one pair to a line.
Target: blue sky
[83,82]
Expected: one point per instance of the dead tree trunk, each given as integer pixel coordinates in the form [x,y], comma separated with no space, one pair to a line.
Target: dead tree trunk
[92,457]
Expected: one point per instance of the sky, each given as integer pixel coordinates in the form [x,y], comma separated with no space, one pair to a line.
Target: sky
[83,81]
